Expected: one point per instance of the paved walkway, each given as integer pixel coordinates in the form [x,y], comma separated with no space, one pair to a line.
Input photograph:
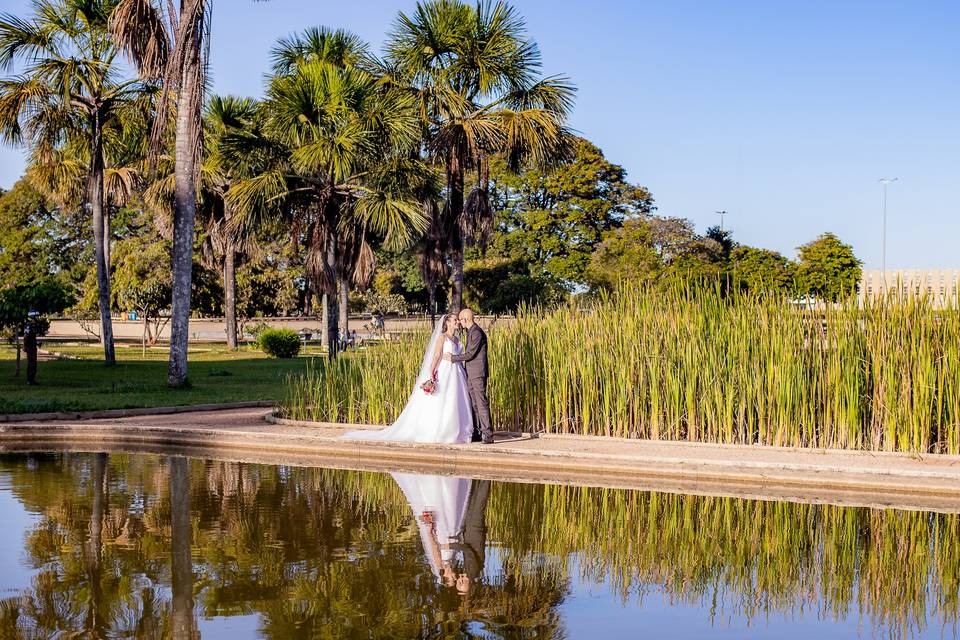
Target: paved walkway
[843,477]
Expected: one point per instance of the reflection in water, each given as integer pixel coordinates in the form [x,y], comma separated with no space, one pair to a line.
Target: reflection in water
[181,565]
[149,547]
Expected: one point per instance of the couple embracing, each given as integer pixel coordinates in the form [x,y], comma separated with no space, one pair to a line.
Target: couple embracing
[449,402]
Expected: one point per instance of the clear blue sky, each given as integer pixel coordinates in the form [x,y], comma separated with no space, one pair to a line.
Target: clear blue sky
[783,112]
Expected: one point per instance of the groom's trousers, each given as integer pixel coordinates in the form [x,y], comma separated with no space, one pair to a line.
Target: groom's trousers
[480,405]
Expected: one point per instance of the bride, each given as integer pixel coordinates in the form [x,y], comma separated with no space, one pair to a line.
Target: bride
[443,415]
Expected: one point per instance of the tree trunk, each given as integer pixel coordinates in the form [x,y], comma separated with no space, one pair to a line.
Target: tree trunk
[16,373]
[333,333]
[181,565]
[95,615]
[344,308]
[187,150]
[230,294]
[107,251]
[432,291]
[96,200]
[455,196]
[324,336]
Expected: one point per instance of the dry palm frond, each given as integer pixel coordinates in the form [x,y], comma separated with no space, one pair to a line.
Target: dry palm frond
[478,214]
[365,267]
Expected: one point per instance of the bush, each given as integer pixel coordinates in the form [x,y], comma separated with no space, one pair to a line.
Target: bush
[279,343]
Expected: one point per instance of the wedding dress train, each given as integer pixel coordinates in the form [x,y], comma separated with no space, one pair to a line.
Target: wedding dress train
[443,416]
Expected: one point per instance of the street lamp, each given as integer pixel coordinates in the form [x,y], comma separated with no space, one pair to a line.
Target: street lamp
[883,264]
[722,213]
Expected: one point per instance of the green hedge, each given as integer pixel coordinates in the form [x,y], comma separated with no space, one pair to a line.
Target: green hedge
[279,343]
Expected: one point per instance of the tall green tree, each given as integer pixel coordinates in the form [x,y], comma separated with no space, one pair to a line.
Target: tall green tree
[69,93]
[762,269]
[171,46]
[26,251]
[827,268]
[475,74]
[650,247]
[222,243]
[555,217]
[334,152]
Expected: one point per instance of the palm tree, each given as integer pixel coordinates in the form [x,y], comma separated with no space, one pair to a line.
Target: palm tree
[67,104]
[475,75]
[223,243]
[172,46]
[336,155]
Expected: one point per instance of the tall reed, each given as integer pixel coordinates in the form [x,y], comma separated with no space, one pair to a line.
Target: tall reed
[693,363]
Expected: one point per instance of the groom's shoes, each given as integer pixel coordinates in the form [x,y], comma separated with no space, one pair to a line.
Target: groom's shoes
[487,440]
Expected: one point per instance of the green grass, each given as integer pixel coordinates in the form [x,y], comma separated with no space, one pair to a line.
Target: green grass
[216,375]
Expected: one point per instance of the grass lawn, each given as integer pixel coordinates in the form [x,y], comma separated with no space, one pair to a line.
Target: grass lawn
[216,375]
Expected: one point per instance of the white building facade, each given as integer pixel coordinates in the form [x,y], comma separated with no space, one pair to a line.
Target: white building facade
[940,286]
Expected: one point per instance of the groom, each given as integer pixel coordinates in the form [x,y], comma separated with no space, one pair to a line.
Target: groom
[474,358]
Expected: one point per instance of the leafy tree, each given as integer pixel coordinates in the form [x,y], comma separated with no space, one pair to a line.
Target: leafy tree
[45,297]
[499,286]
[67,98]
[171,46]
[335,162]
[828,268]
[222,242]
[556,217]
[762,269]
[142,282]
[398,273]
[475,74]
[26,255]
[651,247]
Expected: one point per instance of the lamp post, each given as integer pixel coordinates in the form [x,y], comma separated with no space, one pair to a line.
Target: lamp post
[883,260]
[721,213]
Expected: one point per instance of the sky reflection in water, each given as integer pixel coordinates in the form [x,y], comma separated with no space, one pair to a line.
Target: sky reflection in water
[147,546]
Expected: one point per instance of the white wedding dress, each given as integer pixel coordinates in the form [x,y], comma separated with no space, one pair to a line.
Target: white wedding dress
[439,504]
[441,417]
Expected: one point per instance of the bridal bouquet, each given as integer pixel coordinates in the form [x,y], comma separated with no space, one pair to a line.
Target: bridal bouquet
[430,386]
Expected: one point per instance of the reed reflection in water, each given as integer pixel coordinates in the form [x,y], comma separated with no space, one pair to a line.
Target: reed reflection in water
[144,546]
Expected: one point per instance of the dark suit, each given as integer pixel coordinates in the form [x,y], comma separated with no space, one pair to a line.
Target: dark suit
[474,359]
[473,538]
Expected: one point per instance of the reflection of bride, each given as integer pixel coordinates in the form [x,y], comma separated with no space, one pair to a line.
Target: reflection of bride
[442,507]
[442,416]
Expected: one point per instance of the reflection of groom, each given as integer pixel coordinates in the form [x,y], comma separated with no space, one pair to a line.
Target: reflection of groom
[473,536]
[474,359]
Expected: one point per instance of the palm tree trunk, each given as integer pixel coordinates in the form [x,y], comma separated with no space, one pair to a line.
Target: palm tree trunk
[181,565]
[106,236]
[455,196]
[230,294]
[187,150]
[344,299]
[95,197]
[333,334]
[324,335]
[95,616]
[432,291]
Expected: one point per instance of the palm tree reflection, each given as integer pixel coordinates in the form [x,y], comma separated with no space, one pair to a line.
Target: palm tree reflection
[181,565]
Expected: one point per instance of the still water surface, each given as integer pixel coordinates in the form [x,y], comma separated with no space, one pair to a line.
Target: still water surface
[145,546]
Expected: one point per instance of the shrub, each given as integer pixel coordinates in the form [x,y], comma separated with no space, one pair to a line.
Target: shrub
[279,343]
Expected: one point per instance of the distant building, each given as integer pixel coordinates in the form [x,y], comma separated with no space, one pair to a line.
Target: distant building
[940,286]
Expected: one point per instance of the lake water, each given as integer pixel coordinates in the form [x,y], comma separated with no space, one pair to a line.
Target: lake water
[146,546]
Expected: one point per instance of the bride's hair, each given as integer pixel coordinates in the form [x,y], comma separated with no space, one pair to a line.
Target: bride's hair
[447,319]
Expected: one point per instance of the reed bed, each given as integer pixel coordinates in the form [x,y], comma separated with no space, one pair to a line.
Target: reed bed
[692,363]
